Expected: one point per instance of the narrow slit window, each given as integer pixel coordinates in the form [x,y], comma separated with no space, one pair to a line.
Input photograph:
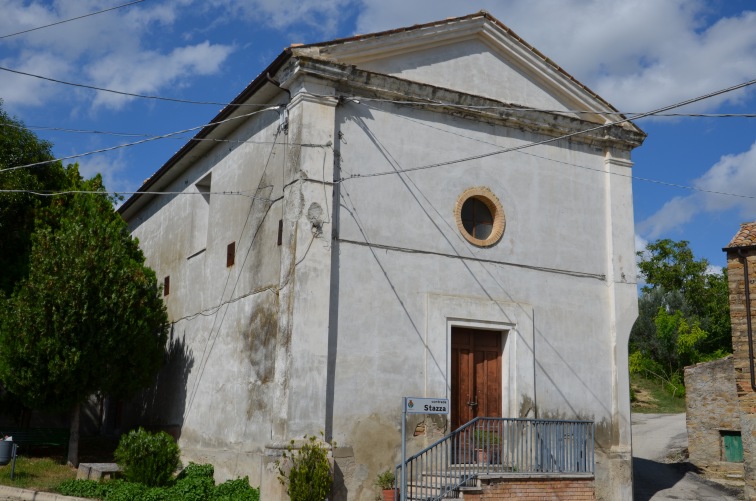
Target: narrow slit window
[280,231]
[167,285]
[230,254]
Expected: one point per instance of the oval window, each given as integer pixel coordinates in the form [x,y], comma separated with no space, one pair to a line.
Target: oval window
[480,216]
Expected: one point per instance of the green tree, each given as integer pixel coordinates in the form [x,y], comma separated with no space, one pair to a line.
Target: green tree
[683,312]
[20,146]
[89,317]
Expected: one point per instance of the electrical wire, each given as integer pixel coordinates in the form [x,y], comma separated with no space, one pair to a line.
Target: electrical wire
[129,94]
[71,19]
[449,162]
[558,138]
[184,138]
[601,171]
[118,193]
[141,141]
[514,107]
[77,131]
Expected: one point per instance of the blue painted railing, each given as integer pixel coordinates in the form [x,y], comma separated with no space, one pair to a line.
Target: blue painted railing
[498,446]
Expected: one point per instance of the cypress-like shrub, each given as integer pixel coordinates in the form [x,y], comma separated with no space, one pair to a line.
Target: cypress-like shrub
[147,458]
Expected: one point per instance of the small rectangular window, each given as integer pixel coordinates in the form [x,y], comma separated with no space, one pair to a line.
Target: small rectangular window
[230,254]
[732,446]
[280,231]
[166,285]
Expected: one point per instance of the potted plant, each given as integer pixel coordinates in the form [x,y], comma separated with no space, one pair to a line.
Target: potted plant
[486,445]
[386,482]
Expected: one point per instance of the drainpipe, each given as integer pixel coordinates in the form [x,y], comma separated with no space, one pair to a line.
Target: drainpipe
[748,316]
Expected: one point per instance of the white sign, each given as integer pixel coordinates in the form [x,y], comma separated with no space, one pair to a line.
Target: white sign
[427,405]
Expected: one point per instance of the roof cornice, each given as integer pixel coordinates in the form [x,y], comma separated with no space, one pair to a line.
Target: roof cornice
[354,82]
[361,48]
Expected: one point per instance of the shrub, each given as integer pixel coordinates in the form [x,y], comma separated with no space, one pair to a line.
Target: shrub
[197,488]
[118,490]
[236,490]
[83,488]
[147,458]
[385,480]
[310,476]
[195,483]
[197,470]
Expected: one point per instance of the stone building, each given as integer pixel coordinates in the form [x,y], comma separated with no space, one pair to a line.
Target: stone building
[713,419]
[439,211]
[741,270]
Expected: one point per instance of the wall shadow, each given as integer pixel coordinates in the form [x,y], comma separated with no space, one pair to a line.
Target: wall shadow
[163,406]
[650,477]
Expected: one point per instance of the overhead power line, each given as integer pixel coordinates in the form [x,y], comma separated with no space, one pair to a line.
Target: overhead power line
[448,162]
[571,164]
[134,134]
[71,19]
[123,93]
[558,138]
[630,115]
[118,193]
[141,141]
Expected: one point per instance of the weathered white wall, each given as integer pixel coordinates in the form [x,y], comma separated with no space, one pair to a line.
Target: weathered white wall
[327,334]
[215,389]
[471,67]
[549,275]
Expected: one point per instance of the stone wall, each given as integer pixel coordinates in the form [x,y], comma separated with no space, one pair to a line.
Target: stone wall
[534,487]
[741,356]
[712,407]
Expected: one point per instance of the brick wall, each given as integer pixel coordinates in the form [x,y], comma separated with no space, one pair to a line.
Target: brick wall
[741,358]
[712,406]
[532,488]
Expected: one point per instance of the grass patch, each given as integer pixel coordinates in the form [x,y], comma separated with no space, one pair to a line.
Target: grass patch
[654,397]
[38,473]
[45,467]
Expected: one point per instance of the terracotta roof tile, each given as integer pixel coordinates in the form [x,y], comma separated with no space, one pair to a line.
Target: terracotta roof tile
[745,237]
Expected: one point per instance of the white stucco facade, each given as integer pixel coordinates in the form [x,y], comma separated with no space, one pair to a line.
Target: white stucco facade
[354,309]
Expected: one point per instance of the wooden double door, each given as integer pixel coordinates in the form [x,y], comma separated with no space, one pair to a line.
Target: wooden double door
[475,375]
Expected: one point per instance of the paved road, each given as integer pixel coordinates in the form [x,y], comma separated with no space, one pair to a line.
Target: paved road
[654,436]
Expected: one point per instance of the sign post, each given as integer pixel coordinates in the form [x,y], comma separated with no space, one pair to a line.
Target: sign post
[415,405]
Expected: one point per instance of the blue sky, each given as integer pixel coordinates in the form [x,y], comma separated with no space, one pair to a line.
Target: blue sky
[638,54]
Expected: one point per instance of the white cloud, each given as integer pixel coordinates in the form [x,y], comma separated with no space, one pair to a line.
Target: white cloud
[110,50]
[148,71]
[321,15]
[673,214]
[113,169]
[713,269]
[640,243]
[637,54]
[19,90]
[732,174]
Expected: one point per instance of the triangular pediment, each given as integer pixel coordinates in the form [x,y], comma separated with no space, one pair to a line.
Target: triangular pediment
[474,54]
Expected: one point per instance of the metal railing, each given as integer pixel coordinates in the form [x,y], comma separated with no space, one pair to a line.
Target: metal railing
[498,446]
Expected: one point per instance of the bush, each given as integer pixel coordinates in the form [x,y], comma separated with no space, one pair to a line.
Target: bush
[198,488]
[385,480]
[236,490]
[197,470]
[195,483]
[310,476]
[118,490]
[147,458]
[83,488]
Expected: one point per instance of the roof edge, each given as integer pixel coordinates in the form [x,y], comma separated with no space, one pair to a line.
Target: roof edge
[230,108]
[480,14]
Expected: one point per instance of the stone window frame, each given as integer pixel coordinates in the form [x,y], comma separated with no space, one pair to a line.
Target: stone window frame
[491,201]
